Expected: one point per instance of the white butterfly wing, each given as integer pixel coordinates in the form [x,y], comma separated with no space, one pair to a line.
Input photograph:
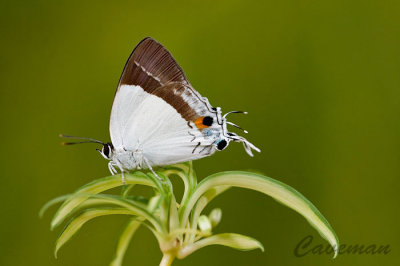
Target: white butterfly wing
[155,109]
[155,128]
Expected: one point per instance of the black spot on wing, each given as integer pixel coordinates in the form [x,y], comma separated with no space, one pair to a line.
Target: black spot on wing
[208,120]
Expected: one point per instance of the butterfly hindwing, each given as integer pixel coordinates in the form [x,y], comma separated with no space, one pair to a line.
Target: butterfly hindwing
[155,127]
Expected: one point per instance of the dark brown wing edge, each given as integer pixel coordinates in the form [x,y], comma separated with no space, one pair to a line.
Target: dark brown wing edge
[153,68]
[150,66]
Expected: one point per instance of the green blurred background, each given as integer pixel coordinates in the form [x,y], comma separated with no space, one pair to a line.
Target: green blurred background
[320,80]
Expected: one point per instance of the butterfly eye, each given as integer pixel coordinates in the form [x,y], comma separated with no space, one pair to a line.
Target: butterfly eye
[106,150]
[222,144]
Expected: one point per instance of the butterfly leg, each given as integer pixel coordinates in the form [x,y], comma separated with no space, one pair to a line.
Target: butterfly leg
[123,177]
[112,168]
[114,171]
[151,169]
[122,171]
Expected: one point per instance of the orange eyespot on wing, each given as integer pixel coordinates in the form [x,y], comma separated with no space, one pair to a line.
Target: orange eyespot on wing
[203,122]
[199,123]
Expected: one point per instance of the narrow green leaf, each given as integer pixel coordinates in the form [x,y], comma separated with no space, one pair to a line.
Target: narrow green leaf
[84,205]
[182,167]
[76,223]
[124,241]
[89,203]
[154,203]
[276,189]
[201,204]
[159,184]
[231,240]
[96,187]
[95,202]
[126,190]
[165,199]
[130,230]
[139,209]
[184,178]
[173,215]
[186,173]
[164,209]
[204,200]
[51,203]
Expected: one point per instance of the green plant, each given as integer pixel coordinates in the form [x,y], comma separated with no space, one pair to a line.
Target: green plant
[180,228]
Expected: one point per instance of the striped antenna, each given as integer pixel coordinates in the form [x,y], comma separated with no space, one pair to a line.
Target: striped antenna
[85,140]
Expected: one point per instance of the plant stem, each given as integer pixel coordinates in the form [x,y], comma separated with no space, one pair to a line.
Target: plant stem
[167,259]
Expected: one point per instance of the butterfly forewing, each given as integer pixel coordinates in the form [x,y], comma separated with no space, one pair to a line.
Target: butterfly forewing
[150,66]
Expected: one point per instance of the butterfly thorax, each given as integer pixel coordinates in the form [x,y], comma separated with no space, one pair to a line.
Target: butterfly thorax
[127,159]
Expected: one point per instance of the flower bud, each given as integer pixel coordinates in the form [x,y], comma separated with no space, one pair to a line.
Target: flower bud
[204,224]
[215,216]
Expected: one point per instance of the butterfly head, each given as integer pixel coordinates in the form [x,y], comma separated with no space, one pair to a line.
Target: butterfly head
[107,151]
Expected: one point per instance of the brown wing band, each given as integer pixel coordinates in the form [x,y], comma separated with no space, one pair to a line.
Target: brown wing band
[172,93]
[151,65]
[153,68]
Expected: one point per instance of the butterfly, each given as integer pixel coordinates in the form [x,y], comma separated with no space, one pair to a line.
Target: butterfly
[158,118]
